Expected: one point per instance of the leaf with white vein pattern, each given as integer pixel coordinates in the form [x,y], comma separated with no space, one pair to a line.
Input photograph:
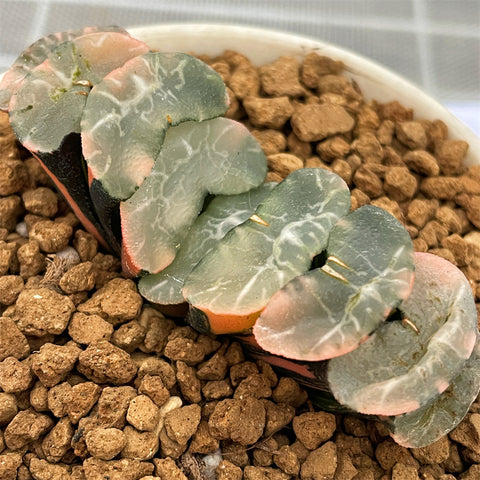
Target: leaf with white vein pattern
[330,310]
[57,89]
[398,370]
[217,156]
[434,420]
[36,54]
[47,106]
[232,284]
[223,213]
[128,113]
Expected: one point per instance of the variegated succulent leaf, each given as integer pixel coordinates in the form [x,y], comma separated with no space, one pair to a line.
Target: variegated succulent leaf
[258,257]
[406,364]
[217,156]
[57,88]
[330,310]
[128,113]
[36,54]
[429,423]
[222,214]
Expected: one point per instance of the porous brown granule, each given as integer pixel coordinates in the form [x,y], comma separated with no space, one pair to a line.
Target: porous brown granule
[282,77]
[313,122]
[10,209]
[13,176]
[95,383]
[105,443]
[86,245]
[13,342]
[52,237]
[78,278]
[85,329]
[103,362]
[41,201]
[268,113]
[52,363]
[31,260]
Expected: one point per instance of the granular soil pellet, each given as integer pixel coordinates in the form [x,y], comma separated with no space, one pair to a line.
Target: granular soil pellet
[95,383]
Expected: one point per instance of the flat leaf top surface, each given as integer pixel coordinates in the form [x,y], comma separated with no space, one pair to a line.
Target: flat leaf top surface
[429,423]
[397,370]
[128,113]
[36,54]
[223,213]
[254,260]
[330,310]
[217,156]
[57,89]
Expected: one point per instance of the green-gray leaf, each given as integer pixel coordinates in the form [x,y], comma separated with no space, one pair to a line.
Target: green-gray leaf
[128,113]
[254,260]
[397,370]
[434,420]
[217,156]
[223,213]
[35,54]
[330,310]
[57,89]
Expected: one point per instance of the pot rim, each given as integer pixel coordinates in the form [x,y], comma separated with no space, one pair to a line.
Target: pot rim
[263,45]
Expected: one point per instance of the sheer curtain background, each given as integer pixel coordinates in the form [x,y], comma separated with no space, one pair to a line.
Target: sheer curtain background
[433,43]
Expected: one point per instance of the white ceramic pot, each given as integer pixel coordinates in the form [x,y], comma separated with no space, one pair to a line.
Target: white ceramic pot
[263,46]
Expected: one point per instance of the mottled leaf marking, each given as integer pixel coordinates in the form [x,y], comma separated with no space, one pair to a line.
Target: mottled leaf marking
[46,109]
[397,370]
[253,261]
[128,113]
[223,213]
[330,310]
[36,54]
[429,423]
[57,89]
[216,156]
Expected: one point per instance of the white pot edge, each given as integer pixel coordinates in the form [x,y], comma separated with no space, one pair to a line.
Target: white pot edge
[262,46]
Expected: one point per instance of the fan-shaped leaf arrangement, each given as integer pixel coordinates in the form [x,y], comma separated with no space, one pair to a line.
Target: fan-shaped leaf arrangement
[335,298]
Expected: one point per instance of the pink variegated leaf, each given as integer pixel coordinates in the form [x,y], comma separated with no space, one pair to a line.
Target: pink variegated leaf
[35,54]
[399,368]
[330,310]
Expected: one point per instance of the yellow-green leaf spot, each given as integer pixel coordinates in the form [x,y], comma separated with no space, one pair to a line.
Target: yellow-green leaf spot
[35,54]
[58,87]
[330,310]
[398,370]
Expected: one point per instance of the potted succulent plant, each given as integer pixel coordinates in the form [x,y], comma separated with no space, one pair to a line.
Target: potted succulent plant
[136,141]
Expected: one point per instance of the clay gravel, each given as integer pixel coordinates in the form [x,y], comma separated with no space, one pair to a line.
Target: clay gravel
[96,384]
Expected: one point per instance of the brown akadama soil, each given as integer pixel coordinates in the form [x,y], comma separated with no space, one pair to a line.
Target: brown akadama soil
[96,384]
